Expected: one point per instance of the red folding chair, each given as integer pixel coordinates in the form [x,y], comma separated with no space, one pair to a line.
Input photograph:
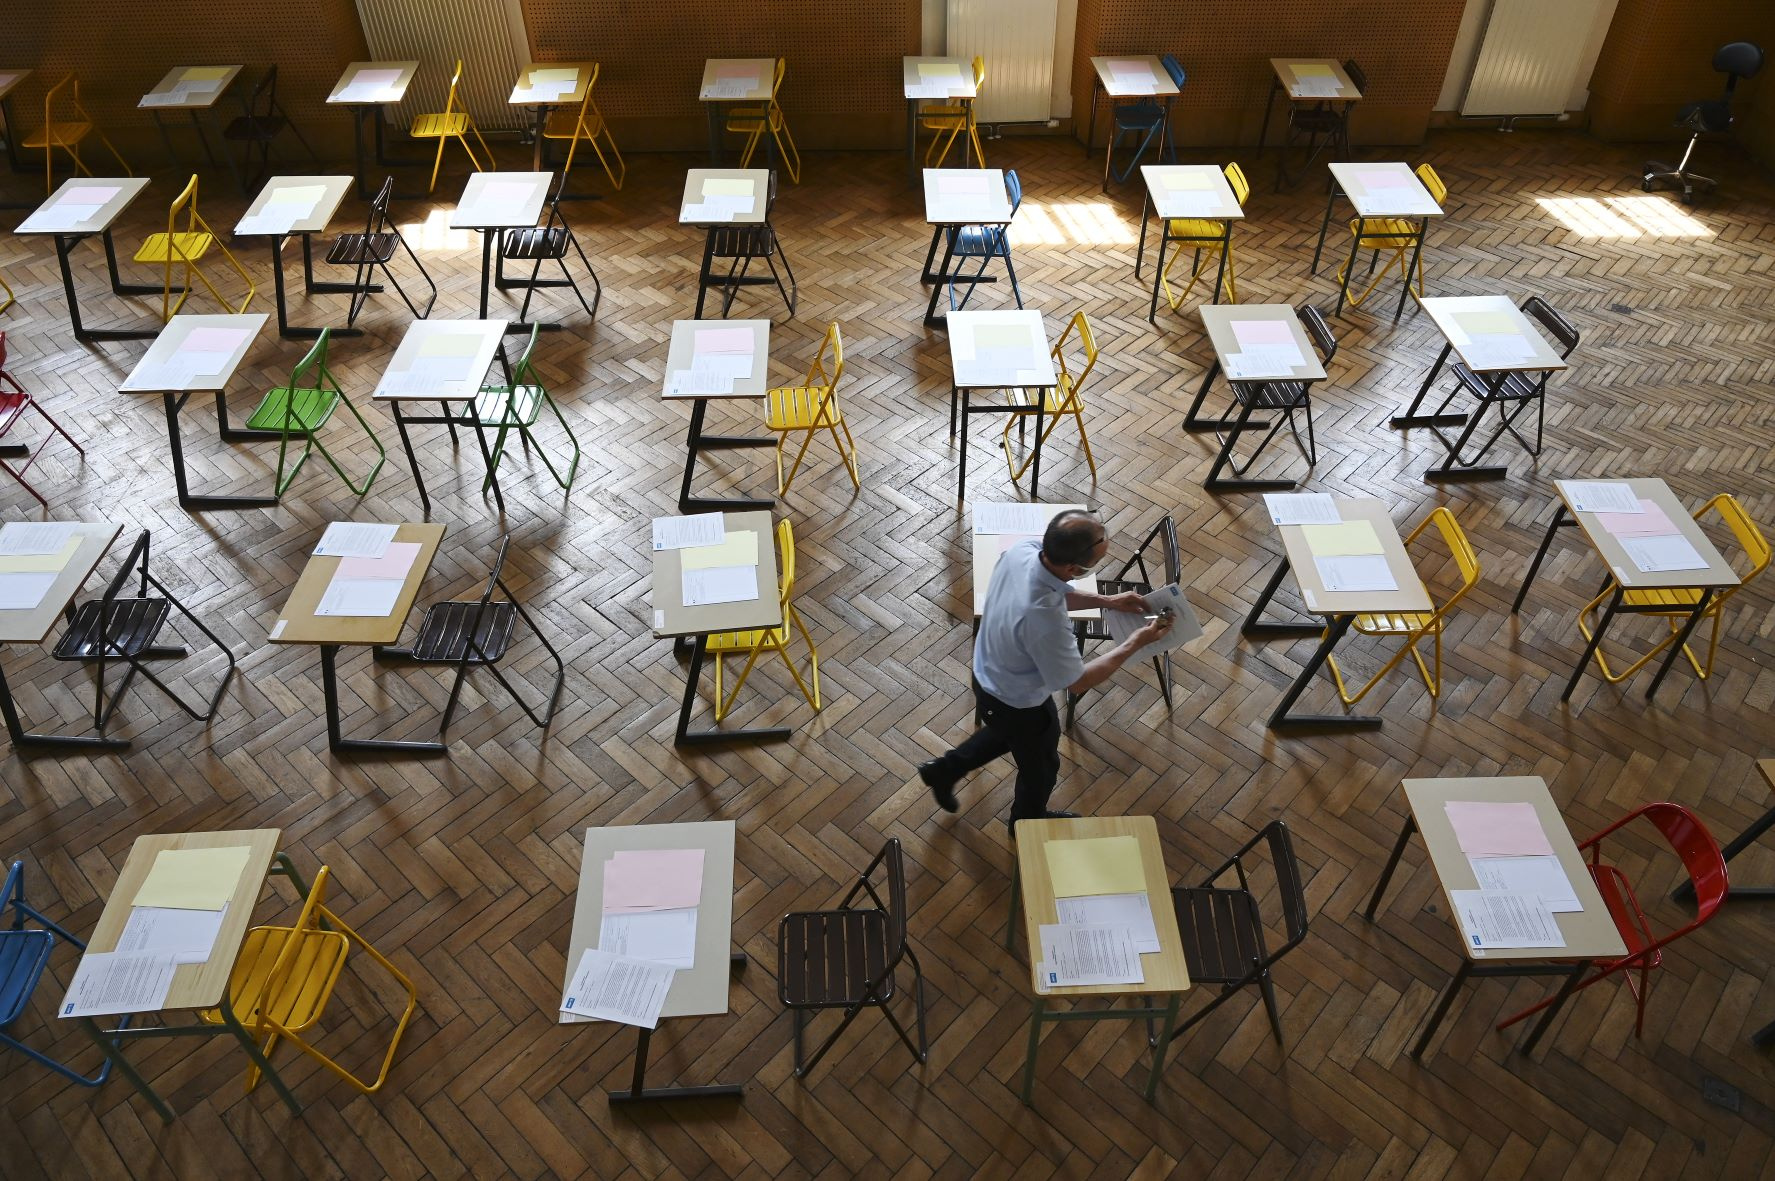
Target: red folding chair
[13,401]
[1701,855]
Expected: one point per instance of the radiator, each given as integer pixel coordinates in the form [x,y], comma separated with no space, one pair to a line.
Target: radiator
[1016,37]
[488,35]
[1529,57]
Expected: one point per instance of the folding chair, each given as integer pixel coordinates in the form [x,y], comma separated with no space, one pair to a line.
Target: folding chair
[11,296]
[1397,236]
[263,119]
[1412,626]
[374,248]
[984,243]
[1279,398]
[1212,236]
[116,626]
[1145,119]
[1512,394]
[448,124]
[189,246]
[846,958]
[769,639]
[302,408]
[586,123]
[1170,555]
[810,408]
[517,405]
[1325,126]
[14,400]
[478,633]
[753,122]
[285,976]
[1064,399]
[956,119]
[549,241]
[739,245]
[66,134]
[24,953]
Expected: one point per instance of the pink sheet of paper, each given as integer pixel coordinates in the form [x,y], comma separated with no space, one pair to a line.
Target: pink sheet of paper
[1650,523]
[723,340]
[1385,180]
[738,73]
[1498,830]
[1007,540]
[213,340]
[1250,332]
[637,880]
[394,563]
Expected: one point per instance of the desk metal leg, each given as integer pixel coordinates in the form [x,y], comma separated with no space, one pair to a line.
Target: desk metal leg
[1442,1005]
[1602,625]
[258,1056]
[486,266]
[329,680]
[912,142]
[357,149]
[1417,253]
[695,443]
[1411,417]
[1324,223]
[688,737]
[1343,286]
[11,134]
[1036,1009]
[1686,892]
[400,424]
[1319,723]
[1235,483]
[114,1054]
[1192,419]
[64,245]
[1152,309]
[1164,1043]
[174,402]
[1682,638]
[639,1092]
[940,282]
[1380,887]
[1454,469]
[26,744]
[1560,520]
[229,433]
[1140,250]
[314,286]
[1257,627]
[713,110]
[961,471]
[1565,990]
[1035,462]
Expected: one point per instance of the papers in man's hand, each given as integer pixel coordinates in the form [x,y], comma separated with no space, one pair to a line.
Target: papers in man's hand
[1184,624]
[193,879]
[109,982]
[1663,553]
[1021,518]
[719,584]
[1301,508]
[355,539]
[684,532]
[188,936]
[618,988]
[1356,572]
[659,936]
[1601,496]
[1497,919]
[24,538]
[1133,911]
[1088,955]
[24,590]
[1543,876]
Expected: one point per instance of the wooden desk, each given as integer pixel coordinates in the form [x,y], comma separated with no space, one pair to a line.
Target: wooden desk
[701,990]
[1139,78]
[1017,357]
[80,208]
[1589,933]
[160,371]
[492,203]
[1378,192]
[33,625]
[297,623]
[989,547]
[9,80]
[367,87]
[194,986]
[1301,81]
[1248,377]
[1627,576]
[301,205]
[1187,192]
[671,617]
[456,356]
[1167,975]
[702,183]
[953,198]
[546,85]
[733,80]
[1339,608]
[681,356]
[192,89]
[931,78]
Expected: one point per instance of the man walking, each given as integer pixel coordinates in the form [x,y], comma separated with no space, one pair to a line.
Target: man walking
[1025,652]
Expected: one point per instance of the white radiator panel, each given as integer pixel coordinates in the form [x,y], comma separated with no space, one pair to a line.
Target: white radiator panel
[488,35]
[1016,37]
[1529,57]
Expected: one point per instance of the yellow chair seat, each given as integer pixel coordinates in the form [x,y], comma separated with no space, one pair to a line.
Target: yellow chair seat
[1195,227]
[180,247]
[746,641]
[1384,231]
[797,408]
[565,124]
[57,135]
[439,125]
[300,998]
[1398,623]
[1678,600]
[943,118]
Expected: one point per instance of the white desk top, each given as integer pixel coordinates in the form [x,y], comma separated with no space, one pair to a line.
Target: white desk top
[937,77]
[1718,573]
[84,193]
[213,343]
[32,625]
[373,84]
[440,360]
[999,350]
[1491,334]
[299,621]
[1191,190]
[190,88]
[737,79]
[966,197]
[989,547]
[672,618]
[719,196]
[10,79]
[1385,190]
[1265,329]
[1134,77]
[501,201]
[710,335]
[542,84]
[1410,594]
[701,990]
[1301,79]
[284,196]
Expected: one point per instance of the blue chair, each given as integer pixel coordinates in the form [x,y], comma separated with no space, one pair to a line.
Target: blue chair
[24,953]
[984,243]
[1146,119]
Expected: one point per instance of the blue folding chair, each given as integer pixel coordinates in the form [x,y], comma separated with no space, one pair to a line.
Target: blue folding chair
[984,243]
[24,953]
[1146,119]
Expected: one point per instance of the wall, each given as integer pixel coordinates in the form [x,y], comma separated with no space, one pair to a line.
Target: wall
[1225,47]
[1657,58]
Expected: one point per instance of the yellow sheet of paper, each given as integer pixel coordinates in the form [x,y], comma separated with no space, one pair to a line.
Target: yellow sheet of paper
[569,74]
[40,563]
[1096,865]
[1313,71]
[1342,539]
[305,195]
[1001,336]
[193,879]
[939,70]
[1198,181]
[727,186]
[449,344]
[202,73]
[736,549]
[1481,323]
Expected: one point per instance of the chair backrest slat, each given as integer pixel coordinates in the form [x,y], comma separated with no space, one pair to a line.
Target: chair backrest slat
[1549,317]
[1313,321]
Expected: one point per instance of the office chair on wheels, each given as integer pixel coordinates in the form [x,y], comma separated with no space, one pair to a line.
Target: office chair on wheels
[1738,60]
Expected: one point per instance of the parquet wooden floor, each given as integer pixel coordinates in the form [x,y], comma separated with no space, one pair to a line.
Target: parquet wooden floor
[464,868]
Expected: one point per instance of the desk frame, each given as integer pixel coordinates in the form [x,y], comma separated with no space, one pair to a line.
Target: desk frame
[964,394]
[1333,630]
[1343,288]
[64,246]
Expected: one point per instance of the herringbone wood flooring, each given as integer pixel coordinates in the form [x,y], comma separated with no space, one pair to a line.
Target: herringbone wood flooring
[464,869]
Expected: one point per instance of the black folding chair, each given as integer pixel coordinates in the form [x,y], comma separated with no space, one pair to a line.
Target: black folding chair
[845,958]
[1164,534]
[479,632]
[1223,929]
[1513,395]
[739,246]
[1324,126]
[117,626]
[1279,398]
[374,248]
[259,124]
[984,243]
[539,244]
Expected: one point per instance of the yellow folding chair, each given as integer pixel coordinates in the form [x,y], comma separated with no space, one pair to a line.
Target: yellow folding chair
[1394,236]
[1676,604]
[753,122]
[587,123]
[810,408]
[769,639]
[951,121]
[6,287]
[1209,238]
[187,246]
[66,134]
[1412,626]
[448,124]
[284,977]
[1062,399]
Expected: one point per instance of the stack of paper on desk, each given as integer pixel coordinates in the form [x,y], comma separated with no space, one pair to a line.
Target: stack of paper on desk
[1508,849]
[1349,557]
[369,587]
[1106,920]
[648,932]
[32,557]
[369,86]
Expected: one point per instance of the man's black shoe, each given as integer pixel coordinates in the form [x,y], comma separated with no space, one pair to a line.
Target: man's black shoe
[943,791]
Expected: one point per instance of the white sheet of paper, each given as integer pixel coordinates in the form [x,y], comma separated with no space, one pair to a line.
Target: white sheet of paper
[20,539]
[618,988]
[1301,508]
[1133,911]
[696,383]
[276,220]
[1316,86]
[1602,496]
[355,539]
[187,935]
[730,88]
[1356,572]
[60,216]
[659,936]
[1498,919]
[23,591]
[1670,552]
[719,584]
[994,517]
[1191,203]
[360,597]
[730,367]
[108,982]
[1263,361]
[1184,625]
[1101,954]
[1543,876]
[684,532]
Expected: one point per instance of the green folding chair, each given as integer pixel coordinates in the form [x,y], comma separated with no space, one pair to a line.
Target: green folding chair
[302,408]
[518,406]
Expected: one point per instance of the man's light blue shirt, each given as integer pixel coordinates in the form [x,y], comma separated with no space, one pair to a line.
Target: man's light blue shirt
[1026,650]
